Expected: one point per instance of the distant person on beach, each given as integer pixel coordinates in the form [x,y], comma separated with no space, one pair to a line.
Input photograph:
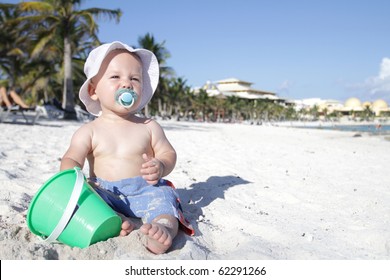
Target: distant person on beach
[11,98]
[128,155]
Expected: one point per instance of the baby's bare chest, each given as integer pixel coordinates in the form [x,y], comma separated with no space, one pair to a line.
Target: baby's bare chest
[121,142]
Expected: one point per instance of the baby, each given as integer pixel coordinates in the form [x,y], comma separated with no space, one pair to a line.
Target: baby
[128,155]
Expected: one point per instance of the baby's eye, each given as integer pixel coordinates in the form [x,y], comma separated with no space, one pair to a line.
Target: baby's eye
[114,77]
[135,79]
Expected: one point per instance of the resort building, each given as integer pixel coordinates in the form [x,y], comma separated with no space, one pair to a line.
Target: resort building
[242,89]
[328,105]
[350,107]
[379,107]
[236,87]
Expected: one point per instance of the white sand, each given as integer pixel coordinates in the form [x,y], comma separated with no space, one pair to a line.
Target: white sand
[251,192]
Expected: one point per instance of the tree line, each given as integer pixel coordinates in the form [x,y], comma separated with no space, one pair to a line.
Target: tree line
[44,45]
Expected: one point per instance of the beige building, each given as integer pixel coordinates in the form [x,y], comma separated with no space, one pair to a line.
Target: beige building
[236,87]
[353,104]
[328,105]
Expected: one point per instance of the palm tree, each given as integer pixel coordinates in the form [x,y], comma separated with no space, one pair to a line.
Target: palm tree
[202,104]
[314,112]
[76,28]
[162,54]
[160,51]
[17,68]
[233,107]
[178,96]
[367,113]
[13,46]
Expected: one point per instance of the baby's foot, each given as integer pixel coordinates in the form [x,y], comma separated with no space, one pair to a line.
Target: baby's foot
[159,238]
[127,227]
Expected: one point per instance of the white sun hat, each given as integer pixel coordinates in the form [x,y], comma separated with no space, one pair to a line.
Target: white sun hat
[150,74]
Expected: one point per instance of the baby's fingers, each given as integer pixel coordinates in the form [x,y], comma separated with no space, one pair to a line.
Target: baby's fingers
[93,183]
[151,179]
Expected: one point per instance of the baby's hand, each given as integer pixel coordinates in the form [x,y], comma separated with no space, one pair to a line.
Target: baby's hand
[93,184]
[151,170]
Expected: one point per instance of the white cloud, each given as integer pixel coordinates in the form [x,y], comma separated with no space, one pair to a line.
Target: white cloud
[384,72]
[284,88]
[377,87]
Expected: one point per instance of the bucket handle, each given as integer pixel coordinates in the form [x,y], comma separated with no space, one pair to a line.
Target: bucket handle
[72,203]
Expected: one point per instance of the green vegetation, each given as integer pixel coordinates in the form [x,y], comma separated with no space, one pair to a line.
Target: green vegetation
[44,45]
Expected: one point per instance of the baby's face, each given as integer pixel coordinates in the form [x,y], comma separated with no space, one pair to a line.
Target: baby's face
[120,69]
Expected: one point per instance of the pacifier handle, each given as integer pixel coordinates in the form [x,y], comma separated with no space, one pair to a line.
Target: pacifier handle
[126,97]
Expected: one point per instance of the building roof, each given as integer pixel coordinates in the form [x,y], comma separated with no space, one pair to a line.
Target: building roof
[233,81]
[379,104]
[236,87]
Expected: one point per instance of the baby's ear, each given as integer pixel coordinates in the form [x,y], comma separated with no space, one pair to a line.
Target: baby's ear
[91,91]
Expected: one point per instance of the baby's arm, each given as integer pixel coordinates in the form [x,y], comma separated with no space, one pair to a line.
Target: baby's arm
[79,148]
[162,162]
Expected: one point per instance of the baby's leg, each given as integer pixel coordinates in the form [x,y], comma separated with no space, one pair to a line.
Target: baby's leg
[160,233]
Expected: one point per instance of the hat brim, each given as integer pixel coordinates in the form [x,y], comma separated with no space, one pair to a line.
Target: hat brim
[150,74]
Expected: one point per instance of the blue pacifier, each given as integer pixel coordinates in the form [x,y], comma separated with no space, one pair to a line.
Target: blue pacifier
[126,97]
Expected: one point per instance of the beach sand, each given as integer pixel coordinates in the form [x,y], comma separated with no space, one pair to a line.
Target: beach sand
[250,192]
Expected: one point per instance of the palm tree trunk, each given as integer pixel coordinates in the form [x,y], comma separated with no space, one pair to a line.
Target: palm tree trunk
[146,110]
[160,109]
[68,95]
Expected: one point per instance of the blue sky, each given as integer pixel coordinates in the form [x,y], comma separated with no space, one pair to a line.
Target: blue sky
[332,49]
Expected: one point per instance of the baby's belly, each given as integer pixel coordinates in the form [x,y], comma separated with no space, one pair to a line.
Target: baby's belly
[112,169]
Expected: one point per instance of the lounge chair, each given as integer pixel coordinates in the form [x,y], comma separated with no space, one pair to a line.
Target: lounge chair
[83,115]
[53,112]
[50,110]
[16,113]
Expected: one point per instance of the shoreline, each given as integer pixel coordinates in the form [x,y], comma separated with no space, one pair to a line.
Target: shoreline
[372,129]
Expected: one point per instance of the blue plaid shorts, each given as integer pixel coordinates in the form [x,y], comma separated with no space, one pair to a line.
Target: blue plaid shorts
[134,197]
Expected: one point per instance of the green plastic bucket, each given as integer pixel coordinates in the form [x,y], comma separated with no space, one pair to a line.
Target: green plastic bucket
[69,210]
